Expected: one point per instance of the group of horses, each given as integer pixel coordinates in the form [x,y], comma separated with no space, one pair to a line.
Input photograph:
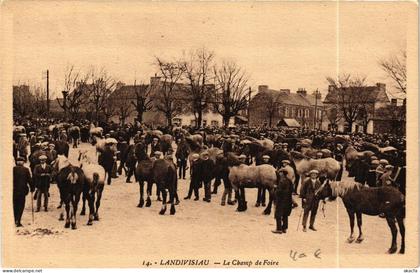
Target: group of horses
[88,178]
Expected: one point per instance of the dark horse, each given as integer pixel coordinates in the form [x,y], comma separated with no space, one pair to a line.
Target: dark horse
[371,201]
[70,182]
[160,171]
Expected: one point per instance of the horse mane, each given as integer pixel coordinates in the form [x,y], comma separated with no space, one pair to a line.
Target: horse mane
[343,188]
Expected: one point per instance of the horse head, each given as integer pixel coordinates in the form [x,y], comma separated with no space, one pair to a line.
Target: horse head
[233,160]
[326,191]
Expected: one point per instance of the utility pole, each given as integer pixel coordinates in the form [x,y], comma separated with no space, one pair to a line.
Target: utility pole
[249,103]
[316,104]
[48,92]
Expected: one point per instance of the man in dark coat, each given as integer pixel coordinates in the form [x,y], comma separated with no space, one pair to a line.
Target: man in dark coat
[122,147]
[195,178]
[207,169]
[155,146]
[181,157]
[106,160]
[284,202]
[310,201]
[42,177]
[130,162]
[21,180]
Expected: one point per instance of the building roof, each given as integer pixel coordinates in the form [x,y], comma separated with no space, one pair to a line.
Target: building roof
[288,98]
[289,122]
[371,93]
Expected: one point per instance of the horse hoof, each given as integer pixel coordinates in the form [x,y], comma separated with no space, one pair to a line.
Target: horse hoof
[359,240]
[350,240]
[177,203]
[266,212]
[82,212]
[392,250]
[172,211]
[402,251]
[257,205]
[73,226]
[141,203]
[263,204]
[162,212]
[89,223]
[61,218]
[67,225]
[148,203]
[96,218]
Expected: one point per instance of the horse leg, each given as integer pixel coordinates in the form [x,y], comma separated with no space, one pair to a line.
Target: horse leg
[238,198]
[75,202]
[158,191]
[83,211]
[401,226]
[149,192]
[98,204]
[172,200]
[263,191]
[163,210]
[391,224]
[359,225]
[259,194]
[267,210]
[91,198]
[242,206]
[67,205]
[141,202]
[351,217]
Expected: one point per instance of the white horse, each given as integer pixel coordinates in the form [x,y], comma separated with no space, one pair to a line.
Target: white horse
[95,182]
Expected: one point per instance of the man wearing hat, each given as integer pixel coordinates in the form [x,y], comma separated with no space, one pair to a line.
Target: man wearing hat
[380,170]
[42,177]
[21,180]
[242,158]
[283,202]
[310,201]
[63,136]
[265,159]
[51,153]
[23,146]
[386,179]
[154,146]
[106,160]
[181,157]
[195,179]
[371,175]
[207,169]
[285,146]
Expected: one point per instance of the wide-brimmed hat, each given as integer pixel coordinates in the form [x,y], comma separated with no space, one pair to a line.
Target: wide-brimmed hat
[242,156]
[383,161]
[375,162]
[265,157]
[314,171]
[157,153]
[285,161]
[42,157]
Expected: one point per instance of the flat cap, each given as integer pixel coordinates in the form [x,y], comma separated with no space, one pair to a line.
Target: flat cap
[383,161]
[314,171]
[43,157]
[285,161]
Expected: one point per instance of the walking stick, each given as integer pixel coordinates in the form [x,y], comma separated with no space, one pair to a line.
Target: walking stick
[300,216]
[32,205]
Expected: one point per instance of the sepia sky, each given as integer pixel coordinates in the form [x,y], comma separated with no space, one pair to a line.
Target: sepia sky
[283,45]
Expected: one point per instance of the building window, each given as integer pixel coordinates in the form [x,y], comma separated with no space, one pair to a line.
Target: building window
[292,112]
[299,113]
[306,113]
[286,112]
[214,123]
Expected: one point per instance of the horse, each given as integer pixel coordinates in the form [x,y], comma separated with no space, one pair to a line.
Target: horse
[243,176]
[359,200]
[328,167]
[95,182]
[95,132]
[159,171]
[62,147]
[70,181]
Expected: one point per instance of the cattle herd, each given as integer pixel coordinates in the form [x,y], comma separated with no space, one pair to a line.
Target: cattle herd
[241,157]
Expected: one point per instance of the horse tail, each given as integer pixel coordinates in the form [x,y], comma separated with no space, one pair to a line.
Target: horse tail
[95,180]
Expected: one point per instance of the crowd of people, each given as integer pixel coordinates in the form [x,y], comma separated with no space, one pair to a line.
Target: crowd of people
[38,142]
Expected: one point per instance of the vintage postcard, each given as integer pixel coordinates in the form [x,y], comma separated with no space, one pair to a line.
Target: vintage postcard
[143,134]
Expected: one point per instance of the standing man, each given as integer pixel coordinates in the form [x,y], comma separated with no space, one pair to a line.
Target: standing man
[181,157]
[207,172]
[284,201]
[154,147]
[21,180]
[195,179]
[23,146]
[106,160]
[42,176]
[310,201]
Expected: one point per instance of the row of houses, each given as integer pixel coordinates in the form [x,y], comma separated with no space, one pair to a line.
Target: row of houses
[268,107]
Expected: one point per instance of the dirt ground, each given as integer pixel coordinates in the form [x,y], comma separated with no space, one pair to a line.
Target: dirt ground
[127,236]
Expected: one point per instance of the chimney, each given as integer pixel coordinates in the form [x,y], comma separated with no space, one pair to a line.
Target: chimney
[285,91]
[301,91]
[154,80]
[381,86]
[262,88]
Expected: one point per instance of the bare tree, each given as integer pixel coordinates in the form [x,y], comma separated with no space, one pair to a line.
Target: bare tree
[100,86]
[110,109]
[167,93]
[231,92]
[123,106]
[40,100]
[333,115]
[350,96]
[143,101]
[22,100]
[395,67]
[198,71]
[78,91]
